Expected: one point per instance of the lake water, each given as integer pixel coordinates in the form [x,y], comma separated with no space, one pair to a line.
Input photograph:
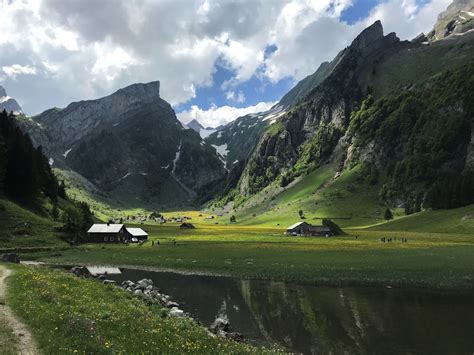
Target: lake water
[321,320]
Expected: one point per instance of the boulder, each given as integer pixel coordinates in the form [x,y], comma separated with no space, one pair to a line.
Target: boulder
[176,312]
[235,336]
[220,323]
[11,258]
[80,271]
[171,304]
[109,282]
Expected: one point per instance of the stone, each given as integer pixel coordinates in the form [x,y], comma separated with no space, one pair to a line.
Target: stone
[80,271]
[235,336]
[171,304]
[109,282]
[176,312]
[11,258]
[138,292]
[221,323]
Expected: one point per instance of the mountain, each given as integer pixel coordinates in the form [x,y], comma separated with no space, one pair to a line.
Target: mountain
[129,144]
[8,103]
[457,19]
[380,79]
[195,125]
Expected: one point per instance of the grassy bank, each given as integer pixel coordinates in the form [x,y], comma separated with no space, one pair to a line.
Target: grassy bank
[68,314]
[427,260]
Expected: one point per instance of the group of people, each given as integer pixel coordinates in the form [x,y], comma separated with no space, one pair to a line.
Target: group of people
[389,240]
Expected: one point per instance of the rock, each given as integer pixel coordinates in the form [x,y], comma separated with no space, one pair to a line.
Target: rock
[220,323]
[143,284]
[109,282]
[171,304]
[11,258]
[176,312]
[235,336]
[80,271]
[138,292]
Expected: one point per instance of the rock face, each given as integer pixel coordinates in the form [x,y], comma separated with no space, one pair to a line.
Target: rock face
[130,140]
[457,19]
[8,103]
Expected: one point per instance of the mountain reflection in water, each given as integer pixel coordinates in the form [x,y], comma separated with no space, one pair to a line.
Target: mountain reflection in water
[314,320]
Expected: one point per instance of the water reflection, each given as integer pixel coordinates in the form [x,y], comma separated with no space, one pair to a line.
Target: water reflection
[317,320]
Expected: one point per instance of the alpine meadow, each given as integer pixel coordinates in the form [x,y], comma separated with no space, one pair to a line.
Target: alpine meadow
[243,176]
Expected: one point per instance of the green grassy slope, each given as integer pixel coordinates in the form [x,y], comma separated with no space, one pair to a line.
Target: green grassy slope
[67,314]
[348,200]
[23,228]
[458,220]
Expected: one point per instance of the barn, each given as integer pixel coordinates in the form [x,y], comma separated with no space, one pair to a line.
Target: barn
[137,234]
[305,229]
[107,233]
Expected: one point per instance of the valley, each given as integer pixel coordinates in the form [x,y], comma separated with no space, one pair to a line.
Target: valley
[341,214]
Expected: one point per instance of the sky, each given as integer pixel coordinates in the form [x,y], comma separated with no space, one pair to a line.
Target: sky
[216,59]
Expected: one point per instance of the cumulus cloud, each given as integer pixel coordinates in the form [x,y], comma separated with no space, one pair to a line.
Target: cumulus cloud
[53,52]
[217,116]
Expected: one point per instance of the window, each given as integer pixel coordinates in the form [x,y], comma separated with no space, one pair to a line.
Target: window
[106,239]
[111,239]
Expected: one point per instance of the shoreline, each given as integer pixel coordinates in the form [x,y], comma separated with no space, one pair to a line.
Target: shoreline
[320,283]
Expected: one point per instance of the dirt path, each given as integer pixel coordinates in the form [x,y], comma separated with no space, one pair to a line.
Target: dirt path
[25,342]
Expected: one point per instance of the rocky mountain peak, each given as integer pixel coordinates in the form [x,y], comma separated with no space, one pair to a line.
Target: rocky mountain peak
[149,90]
[368,36]
[195,125]
[8,103]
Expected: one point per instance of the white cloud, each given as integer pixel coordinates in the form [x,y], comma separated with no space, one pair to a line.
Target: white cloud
[235,97]
[14,70]
[216,116]
[74,50]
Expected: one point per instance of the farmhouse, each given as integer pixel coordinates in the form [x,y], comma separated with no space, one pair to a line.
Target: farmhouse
[115,233]
[137,234]
[306,229]
[107,233]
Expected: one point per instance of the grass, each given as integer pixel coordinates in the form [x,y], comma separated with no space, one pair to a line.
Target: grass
[21,227]
[347,200]
[72,315]
[458,220]
[430,260]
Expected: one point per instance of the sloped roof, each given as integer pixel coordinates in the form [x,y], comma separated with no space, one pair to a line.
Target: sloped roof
[296,225]
[137,232]
[105,228]
[320,228]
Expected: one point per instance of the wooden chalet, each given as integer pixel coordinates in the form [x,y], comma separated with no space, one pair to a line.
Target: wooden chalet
[107,233]
[307,230]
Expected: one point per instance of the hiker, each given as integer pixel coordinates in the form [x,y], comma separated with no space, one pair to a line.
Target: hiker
[157,243]
[152,243]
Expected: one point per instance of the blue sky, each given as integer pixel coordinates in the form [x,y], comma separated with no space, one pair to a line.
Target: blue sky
[258,88]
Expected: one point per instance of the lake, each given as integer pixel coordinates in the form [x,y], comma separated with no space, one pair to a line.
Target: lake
[321,320]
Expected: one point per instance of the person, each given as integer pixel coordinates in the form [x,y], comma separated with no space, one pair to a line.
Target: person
[152,243]
[174,241]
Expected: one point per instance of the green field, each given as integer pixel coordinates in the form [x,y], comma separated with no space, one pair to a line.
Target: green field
[67,314]
[432,260]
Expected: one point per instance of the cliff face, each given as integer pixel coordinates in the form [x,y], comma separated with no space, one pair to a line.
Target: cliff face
[456,20]
[131,137]
[324,112]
